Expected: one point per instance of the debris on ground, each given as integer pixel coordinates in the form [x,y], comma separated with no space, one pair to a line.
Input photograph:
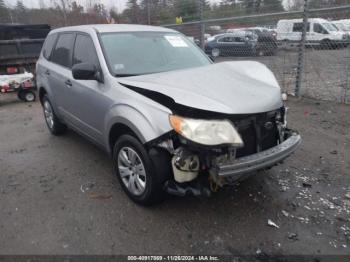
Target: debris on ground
[272,224]
[87,186]
[285,213]
[94,195]
[307,185]
[293,236]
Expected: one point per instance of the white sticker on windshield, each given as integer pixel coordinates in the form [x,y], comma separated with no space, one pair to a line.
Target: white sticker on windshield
[119,67]
[176,41]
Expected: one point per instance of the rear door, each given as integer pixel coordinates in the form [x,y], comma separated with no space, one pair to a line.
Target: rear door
[60,74]
[225,45]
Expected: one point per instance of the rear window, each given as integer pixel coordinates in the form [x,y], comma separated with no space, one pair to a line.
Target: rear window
[48,45]
[62,54]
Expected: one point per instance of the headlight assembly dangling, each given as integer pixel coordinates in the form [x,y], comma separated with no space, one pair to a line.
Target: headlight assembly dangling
[206,132]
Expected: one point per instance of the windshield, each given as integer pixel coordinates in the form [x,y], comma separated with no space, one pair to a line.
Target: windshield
[329,27]
[137,53]
[340,26]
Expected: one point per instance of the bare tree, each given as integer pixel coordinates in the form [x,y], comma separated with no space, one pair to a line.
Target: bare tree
[294,5]
[63,6]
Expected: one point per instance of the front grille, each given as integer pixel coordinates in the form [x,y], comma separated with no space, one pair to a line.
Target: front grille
[256,134]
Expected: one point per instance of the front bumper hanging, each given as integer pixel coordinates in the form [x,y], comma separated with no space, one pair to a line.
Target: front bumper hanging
[257,161]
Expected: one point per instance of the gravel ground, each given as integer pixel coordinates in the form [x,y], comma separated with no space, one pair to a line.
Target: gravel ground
[58,196]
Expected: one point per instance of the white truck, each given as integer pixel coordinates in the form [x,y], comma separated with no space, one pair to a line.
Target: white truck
[319,32]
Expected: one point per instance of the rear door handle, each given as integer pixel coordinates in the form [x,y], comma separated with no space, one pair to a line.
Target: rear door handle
[68,83]
[47,72]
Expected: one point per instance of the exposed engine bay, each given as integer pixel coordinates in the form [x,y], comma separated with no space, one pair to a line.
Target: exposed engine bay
[198,169]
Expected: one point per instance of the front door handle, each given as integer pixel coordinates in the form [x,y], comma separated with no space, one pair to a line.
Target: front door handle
[68,83]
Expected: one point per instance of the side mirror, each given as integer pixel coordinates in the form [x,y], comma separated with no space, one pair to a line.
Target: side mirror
[86,71]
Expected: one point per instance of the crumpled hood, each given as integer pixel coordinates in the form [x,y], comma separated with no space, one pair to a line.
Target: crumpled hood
[242,87]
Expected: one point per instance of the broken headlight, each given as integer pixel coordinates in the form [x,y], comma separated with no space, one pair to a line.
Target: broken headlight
[206,132]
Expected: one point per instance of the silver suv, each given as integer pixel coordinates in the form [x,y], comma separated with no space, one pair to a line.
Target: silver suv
[172,120]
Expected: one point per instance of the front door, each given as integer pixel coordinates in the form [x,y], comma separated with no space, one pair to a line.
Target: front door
[85,99]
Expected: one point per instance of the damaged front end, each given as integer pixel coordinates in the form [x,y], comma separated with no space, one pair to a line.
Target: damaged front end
[261,141]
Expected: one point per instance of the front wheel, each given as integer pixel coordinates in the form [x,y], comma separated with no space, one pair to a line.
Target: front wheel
[136,171]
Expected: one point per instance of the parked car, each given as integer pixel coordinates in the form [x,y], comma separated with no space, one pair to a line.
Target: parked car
[171,119]
[320,33]
[267,44]
[237,43]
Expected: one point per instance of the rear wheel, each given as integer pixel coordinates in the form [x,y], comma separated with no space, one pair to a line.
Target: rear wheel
[141,178]
[53,123]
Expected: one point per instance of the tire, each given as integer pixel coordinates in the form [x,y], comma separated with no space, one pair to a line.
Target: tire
[29,96]
[53,123]
[20,95]
[326,44]
[141,174]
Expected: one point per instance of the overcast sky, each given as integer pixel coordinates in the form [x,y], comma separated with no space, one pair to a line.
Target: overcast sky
[120,4]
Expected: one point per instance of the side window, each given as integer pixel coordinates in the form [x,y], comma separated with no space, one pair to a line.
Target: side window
[62,54]
[221,40]
[84,51]
[238,39]
[226,39]
[298,27]
[48,45]
[319,29]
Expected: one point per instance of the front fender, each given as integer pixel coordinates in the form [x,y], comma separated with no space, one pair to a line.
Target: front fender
[147,124]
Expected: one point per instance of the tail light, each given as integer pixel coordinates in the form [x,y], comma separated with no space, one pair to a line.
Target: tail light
[4,88]
[12,70]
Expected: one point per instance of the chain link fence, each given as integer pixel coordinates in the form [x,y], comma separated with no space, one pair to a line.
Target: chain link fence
[307,47]
[308,50]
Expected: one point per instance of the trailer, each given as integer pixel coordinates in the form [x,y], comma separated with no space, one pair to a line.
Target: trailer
[20,47]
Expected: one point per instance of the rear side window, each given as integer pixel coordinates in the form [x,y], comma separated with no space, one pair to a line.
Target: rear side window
[84,51]
[48,45]
[298,27]
[62,54]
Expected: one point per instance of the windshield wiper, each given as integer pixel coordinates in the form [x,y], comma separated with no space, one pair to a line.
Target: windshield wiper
[125,75]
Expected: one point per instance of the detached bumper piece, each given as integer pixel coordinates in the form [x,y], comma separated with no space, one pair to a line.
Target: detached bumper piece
[261,160]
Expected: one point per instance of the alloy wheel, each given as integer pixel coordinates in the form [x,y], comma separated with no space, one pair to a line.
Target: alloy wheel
[48,114]
[132,171]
